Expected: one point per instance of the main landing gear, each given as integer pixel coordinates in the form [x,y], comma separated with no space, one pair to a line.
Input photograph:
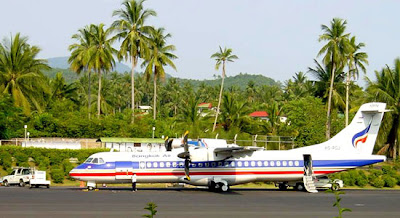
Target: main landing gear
[219,186]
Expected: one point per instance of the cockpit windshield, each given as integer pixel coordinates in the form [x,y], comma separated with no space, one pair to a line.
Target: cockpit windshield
[95,160]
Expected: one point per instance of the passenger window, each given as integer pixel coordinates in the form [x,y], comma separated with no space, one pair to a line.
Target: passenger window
[19,171]
[25,172]
[95,161]
[13,172]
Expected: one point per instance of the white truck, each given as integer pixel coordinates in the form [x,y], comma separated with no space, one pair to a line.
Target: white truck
[19,176]
[22,176]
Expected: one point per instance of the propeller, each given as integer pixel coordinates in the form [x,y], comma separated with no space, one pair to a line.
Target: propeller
[186,155]
[168,144]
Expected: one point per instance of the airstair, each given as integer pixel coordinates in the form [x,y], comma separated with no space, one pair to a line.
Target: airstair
[309,184]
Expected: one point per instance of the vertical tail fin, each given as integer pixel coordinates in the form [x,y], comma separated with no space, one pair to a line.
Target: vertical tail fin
[360,136]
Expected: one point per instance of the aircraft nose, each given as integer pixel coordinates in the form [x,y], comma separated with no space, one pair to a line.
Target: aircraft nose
[72,173]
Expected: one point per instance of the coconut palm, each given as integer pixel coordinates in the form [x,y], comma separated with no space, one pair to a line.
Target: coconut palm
[100,55]
[133,31]
[159,57]
[79,57]
[334,54]
[222,57]
[323,80]
[356,60]
[386,89]
[20,73]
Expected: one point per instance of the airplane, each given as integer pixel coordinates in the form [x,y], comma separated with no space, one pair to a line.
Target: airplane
[218,165]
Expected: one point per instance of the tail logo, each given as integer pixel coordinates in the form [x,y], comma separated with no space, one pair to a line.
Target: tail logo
[361,136]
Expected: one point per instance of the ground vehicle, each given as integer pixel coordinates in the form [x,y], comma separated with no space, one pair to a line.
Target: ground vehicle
[19,176]
[38,179]
[319,182]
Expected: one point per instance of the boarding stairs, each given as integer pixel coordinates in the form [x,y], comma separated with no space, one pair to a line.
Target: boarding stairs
[309,184]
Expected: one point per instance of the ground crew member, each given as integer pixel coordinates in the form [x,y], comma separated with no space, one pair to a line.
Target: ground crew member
[134,183]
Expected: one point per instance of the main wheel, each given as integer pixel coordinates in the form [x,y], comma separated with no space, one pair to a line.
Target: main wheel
[6,184]
[282,186]
[21,183]
[224,188]
[90,188]
[300,186]
[335,187]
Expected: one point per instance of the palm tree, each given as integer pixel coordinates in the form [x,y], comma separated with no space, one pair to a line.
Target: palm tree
[133,32]
[386,88]
[160,56]
[20,73]
[100,54]
[235,112]
[355,60]
[79,57]
[323,76]
[60,90]
[335,49]
[222,57]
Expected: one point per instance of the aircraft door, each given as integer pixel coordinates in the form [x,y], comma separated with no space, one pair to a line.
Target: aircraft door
[124,170]
[308,167]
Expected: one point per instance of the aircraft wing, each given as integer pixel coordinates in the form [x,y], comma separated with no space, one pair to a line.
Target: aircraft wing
[236,150]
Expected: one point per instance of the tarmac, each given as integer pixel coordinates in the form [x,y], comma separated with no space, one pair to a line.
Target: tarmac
[185,202]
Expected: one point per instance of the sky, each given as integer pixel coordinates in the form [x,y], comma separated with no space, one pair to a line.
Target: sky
[272,38]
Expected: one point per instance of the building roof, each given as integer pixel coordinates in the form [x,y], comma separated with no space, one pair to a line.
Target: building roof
[205,105]
[259,114]
[131,140]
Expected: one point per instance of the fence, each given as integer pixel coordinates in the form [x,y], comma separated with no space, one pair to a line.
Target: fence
[57,143]
[268,142]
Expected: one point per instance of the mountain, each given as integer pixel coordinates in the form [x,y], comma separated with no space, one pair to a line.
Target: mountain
[241,80]
[62,63]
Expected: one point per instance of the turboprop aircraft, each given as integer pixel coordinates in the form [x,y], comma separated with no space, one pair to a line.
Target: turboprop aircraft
[218,165]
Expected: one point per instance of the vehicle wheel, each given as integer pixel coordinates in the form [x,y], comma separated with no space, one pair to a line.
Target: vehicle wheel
[30,185]
[224,188]
[6,184]
[21,183]
[282,186]
[335,187]
[300,186]
[47,186]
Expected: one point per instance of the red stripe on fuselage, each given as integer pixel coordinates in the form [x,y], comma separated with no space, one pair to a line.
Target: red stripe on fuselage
[199,173]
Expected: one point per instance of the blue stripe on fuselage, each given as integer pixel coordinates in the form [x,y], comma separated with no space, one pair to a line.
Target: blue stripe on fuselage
[227,164]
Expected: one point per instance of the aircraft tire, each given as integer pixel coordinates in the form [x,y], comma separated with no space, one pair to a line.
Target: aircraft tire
[21,183]
[90,188]
[300,186]
[335,187]
[225,188]
[282,186]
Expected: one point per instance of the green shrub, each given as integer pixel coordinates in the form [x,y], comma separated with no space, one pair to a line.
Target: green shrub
[389,181]
[57,175]
[378,182]
[67,166]
[376,172]
[388,170]
[6,160]
[347,179]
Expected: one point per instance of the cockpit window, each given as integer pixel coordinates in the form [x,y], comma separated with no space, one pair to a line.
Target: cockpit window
[95,161]
[101,161]
[89,160]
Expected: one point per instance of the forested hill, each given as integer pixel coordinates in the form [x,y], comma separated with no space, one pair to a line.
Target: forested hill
[240,81]
[60,64]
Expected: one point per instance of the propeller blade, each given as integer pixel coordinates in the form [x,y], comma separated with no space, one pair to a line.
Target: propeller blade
[187,162]
[185,142]
[169,146]
[166,143]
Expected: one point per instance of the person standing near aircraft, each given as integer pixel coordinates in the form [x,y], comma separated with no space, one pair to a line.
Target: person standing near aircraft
[134,183]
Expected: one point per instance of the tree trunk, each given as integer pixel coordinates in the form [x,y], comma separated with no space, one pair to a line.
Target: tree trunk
[89,99]
[328,114]
[220,95]
[134,60]
[155,94]
[347,97]
[98,96]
